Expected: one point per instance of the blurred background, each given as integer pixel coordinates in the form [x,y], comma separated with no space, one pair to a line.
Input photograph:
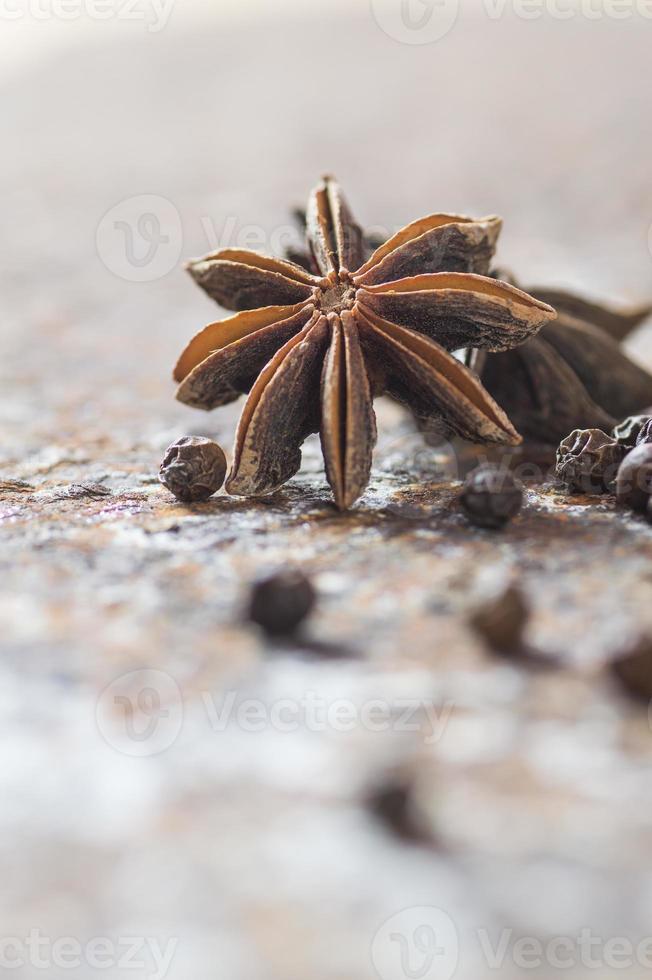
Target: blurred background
[138,134]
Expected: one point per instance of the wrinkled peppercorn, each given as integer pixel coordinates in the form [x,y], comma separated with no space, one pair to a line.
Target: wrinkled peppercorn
[633,668]
[627,433]
[193,468]
[588,461]
[634,483]
[645,433]
[501,619]
[491,496]
[279,603]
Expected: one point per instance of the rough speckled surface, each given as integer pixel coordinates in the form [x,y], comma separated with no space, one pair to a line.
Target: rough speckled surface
[249,844]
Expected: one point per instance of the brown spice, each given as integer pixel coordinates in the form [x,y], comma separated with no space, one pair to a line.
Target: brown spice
[633,668]
[572,375]
[588,461]
[314,348]
[634,482]
[628,432]
[193,468]
[501,619]
[280,602]
[491,496]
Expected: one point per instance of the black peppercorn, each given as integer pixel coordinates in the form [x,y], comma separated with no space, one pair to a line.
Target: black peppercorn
[279,603]
[645,432]
[633,668]
[491,496]
[501,618]
[394,804]
[627,433]
[634,483]
[193,468]
[588,461]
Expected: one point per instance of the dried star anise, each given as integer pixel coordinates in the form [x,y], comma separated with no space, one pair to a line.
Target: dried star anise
[572,375]
[314,348]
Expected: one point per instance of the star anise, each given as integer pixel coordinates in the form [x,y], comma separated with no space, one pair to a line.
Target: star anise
[314,348]
[572,375]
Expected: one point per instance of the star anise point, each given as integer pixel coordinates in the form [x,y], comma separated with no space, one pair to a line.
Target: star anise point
[313,350]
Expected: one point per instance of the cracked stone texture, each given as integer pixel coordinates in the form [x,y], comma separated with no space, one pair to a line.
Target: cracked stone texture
[140,794]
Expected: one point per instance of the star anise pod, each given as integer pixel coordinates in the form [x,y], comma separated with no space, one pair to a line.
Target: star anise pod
[313,349]
[572,375]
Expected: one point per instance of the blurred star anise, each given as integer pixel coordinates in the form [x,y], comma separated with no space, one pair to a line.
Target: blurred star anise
[314,348]
[573,375]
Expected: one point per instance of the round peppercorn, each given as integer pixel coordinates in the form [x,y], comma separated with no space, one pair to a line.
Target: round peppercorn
[193,468]
[633,668]
[491,496]
[280,602]
[500,619]
[634,483]
[588,461]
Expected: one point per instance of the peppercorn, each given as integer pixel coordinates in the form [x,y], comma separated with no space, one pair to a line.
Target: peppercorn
[491,496]
[633,668]
[501,618]
[645,433]
[280,602]
[627,433]
[193,468]
[393,803]
[634,483]
[588,461]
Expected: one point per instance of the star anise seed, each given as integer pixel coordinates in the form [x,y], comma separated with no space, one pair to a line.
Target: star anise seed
[572,375]
[313,349]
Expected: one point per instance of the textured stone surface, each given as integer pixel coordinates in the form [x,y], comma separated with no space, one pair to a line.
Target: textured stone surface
[254,849]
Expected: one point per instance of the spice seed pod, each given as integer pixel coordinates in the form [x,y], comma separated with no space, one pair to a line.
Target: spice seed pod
[193,468]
